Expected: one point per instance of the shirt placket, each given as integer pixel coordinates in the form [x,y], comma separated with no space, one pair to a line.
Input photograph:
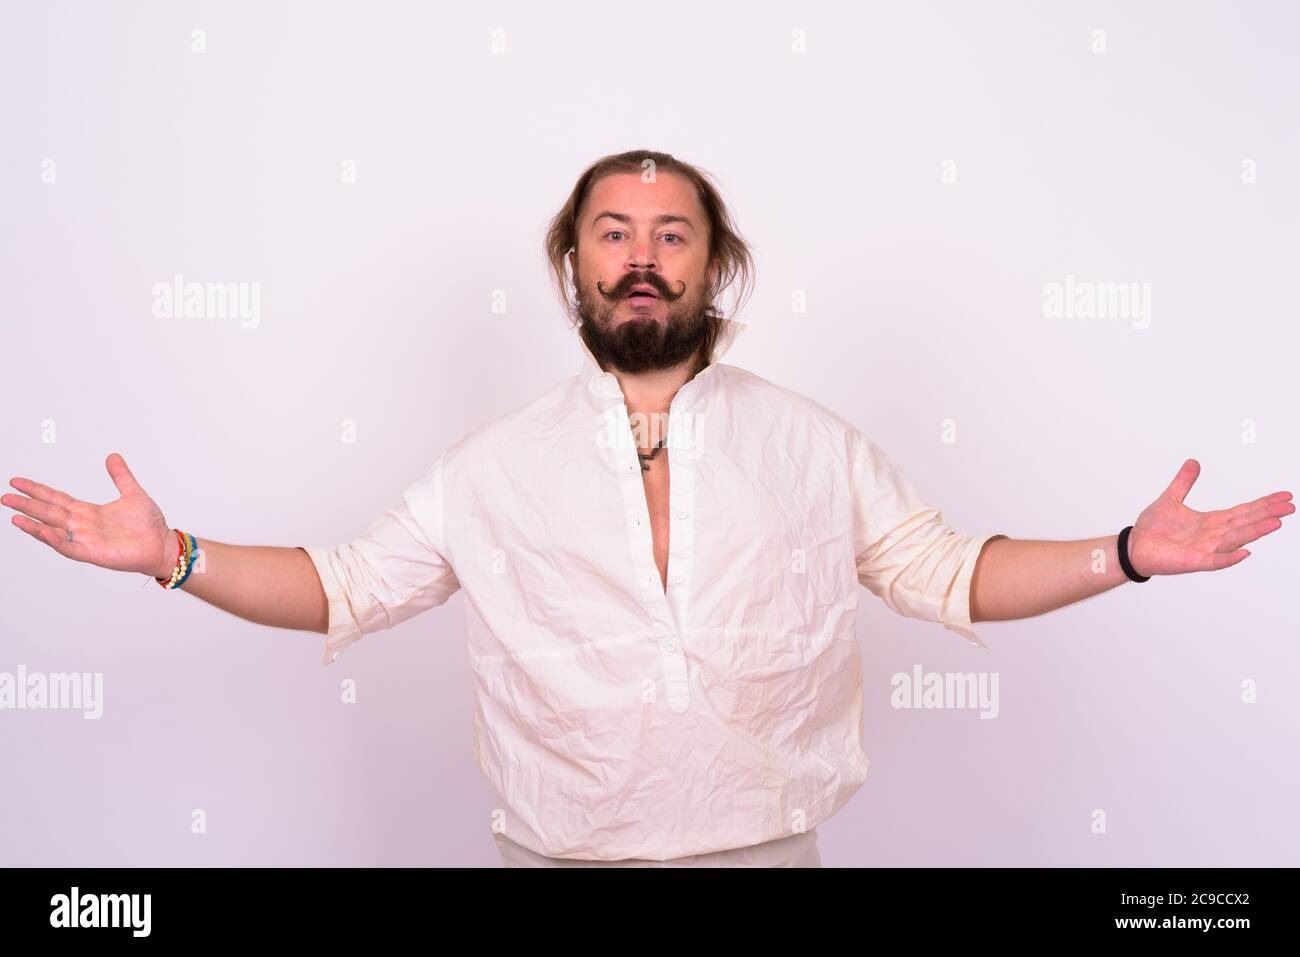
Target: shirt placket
[666,611]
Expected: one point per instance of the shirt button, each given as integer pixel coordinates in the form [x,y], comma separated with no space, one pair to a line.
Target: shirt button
[682,513]
[670,645]
[679,578]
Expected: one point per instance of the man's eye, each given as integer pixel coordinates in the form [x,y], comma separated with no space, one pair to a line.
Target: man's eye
[615,233]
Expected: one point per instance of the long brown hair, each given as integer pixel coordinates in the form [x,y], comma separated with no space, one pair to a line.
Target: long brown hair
[729,254]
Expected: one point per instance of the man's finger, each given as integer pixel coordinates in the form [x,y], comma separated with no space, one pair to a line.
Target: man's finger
[1225,559]
[121,475]
[1275,498]
[1182,482]
[49,514]
[42,493]
[56,538]
[1236,537]
[1245,514]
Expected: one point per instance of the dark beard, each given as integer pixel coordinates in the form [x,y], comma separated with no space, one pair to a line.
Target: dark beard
[643,344]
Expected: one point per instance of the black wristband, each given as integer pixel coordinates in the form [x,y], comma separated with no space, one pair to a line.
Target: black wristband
[1123,558]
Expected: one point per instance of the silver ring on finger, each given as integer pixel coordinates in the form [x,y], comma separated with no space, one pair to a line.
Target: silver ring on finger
[69,534]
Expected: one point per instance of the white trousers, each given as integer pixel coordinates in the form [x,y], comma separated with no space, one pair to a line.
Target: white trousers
[795,850]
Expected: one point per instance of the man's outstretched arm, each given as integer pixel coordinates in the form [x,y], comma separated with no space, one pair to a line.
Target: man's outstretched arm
[1017,578]
[265,584]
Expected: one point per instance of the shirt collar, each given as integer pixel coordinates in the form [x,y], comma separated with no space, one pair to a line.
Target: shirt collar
[605,384]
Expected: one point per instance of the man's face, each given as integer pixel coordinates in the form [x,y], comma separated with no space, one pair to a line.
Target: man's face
[641,271]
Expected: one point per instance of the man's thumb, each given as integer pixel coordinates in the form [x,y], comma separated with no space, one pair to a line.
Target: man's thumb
[121,475]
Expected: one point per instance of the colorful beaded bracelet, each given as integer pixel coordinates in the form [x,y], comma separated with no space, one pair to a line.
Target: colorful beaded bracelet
[170,582]
[193,555]
[184,561]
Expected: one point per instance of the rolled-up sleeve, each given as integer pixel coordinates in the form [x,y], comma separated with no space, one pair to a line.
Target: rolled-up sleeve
[395,570]
[906,555]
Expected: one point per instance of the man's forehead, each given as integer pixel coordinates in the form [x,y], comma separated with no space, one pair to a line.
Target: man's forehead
[627,193]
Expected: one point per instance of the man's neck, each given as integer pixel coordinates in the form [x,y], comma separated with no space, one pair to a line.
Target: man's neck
[653,391]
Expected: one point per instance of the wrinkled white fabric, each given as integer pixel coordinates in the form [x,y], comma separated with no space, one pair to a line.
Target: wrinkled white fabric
[796,850]
[616,720]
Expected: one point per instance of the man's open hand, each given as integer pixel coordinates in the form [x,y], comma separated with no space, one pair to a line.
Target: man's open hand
[129,535]
[1169,538]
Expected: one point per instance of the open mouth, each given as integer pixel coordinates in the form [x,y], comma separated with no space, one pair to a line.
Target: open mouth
[642,292]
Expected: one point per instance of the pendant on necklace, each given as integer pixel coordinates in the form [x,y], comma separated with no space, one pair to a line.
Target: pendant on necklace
[645,459]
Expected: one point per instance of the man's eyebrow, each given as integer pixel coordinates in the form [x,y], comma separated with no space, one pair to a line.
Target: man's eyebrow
[658,220]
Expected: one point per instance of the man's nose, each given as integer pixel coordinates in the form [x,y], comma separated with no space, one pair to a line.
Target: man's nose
[642,256]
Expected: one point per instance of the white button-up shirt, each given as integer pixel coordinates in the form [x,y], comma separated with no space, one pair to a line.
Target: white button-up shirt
[619,719]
